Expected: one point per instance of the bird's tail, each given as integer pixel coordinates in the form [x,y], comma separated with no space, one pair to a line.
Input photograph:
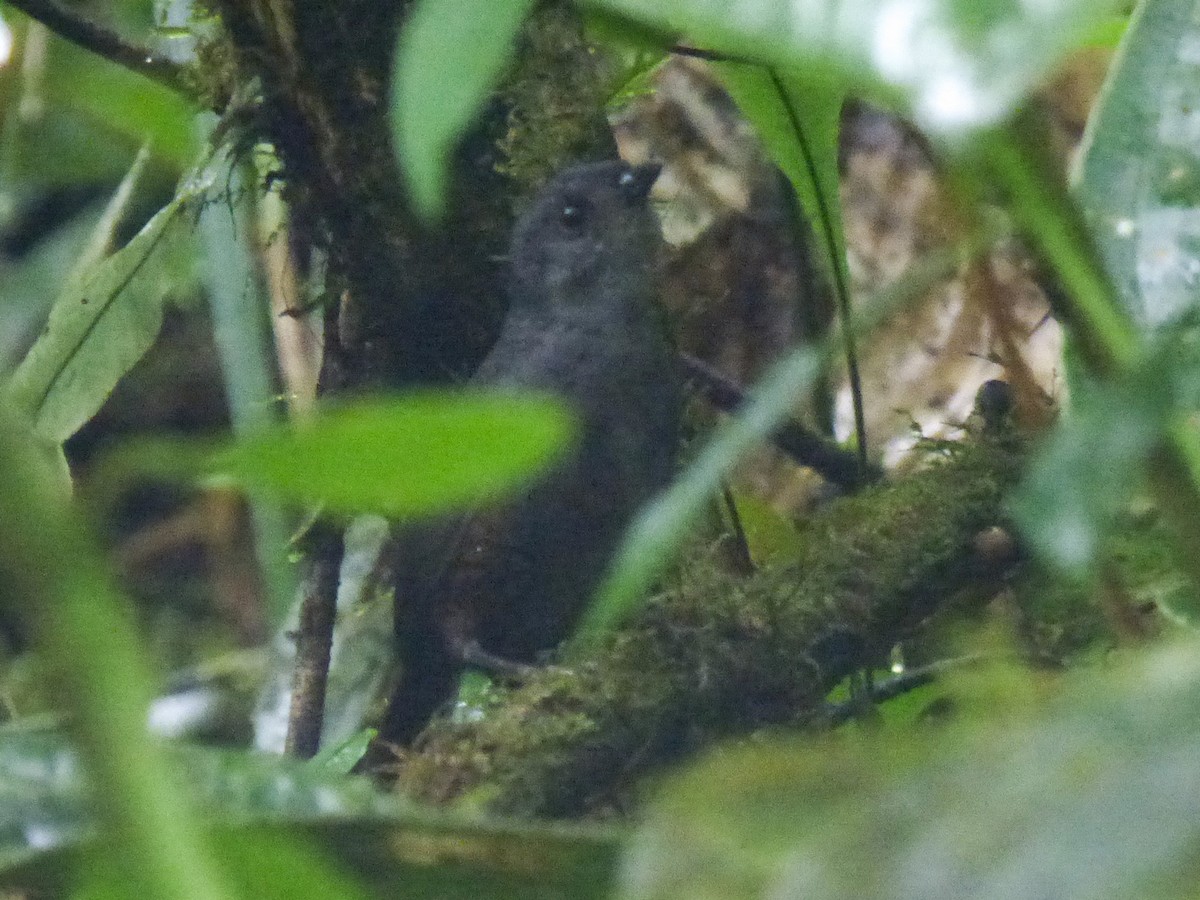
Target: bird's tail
[430,678]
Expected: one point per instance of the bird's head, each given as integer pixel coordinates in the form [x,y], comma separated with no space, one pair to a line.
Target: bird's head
[588,231]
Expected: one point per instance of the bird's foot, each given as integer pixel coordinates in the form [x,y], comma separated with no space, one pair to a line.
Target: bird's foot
[472,654]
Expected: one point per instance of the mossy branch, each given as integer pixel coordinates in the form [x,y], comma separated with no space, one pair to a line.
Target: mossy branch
[715,655]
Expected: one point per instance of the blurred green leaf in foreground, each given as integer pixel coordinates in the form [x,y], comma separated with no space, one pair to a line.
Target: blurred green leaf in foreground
[413,455]
[1088,796]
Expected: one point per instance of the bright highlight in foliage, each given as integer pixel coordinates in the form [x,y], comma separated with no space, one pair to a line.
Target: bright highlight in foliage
[957,65]
[412,456]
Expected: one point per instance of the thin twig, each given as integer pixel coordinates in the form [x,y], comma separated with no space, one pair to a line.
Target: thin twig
[742,558]
[840,713]
[90,35]
[314,637]
[708,55]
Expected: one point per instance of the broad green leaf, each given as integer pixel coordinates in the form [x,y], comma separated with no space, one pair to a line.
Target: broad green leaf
[1113,280]
[59,266]
[1109,32]
[412,857]
[770,534]
[956,65]
[246,349]
[798,124]
[1137,185]
[1139,181]
[119,104]
[58,586]
[262,863]
[1089,796]
[449,55]
[62,150]
[104,235]
[340,759]
[89,116]
[416,455]
[278,823]
[1100,456]
[1089,470]
[29,284]
[102,324]
[798,118]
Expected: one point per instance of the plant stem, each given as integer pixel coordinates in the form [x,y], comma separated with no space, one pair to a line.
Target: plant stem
[57,584]
[69,24]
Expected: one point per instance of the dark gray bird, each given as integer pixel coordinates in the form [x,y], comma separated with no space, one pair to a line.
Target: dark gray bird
[503,585]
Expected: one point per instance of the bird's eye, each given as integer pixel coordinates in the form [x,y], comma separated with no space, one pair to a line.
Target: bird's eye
[573,214]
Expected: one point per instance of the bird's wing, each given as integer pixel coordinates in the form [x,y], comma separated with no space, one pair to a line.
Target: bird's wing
[448,575]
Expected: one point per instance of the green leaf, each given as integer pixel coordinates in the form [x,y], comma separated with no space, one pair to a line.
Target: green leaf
[90,115]
[448,56]
[770,534]
[1139,181]
[1090,469]
[279,824]
[102,324]
[31,282]
[798,118]
[412,456]
[1097,457]
[262,863]
[798,124]
[116,103]
[1108,33]
[957,65]
[104,234]
[1089,797]
[339,759]
[58,585]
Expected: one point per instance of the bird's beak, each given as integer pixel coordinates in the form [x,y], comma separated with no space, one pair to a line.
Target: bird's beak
[636,181]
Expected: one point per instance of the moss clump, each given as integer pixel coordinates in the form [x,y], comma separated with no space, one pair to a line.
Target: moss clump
[716,654]
[553,103]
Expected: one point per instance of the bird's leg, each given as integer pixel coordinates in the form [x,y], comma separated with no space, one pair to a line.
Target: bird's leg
[459,627]
[472,654]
